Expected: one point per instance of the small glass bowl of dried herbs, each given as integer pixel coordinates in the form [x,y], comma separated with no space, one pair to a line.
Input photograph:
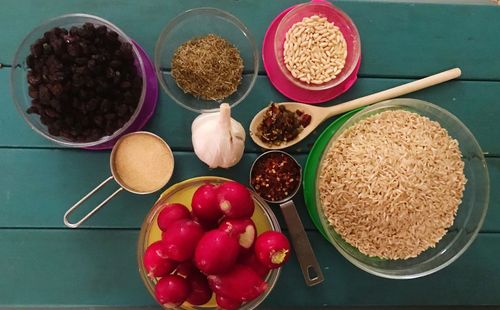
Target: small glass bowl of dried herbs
[204,57]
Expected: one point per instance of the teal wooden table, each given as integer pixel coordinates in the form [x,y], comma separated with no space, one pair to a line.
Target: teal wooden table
[44,264]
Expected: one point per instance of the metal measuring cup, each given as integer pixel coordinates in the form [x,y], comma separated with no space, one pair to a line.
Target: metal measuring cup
[309,265]
[116,176]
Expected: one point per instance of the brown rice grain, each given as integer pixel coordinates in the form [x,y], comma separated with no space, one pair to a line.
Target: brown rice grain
[391,184]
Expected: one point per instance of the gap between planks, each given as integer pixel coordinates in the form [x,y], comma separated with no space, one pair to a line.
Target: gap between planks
[175,150]
[363,76]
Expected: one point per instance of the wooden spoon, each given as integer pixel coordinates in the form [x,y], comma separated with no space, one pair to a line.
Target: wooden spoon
[320,114]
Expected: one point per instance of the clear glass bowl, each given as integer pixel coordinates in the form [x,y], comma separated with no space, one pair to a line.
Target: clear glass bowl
[470,214]
[19,82]
[333,14]
[199,22]
[182,192]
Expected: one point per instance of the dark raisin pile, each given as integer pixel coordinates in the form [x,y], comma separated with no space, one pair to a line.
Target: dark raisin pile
[83,82]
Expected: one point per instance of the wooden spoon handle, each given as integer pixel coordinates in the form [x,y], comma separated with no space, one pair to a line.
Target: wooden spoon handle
[394,92]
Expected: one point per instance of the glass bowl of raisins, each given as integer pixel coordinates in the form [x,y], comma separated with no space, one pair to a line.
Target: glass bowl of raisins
[78,80]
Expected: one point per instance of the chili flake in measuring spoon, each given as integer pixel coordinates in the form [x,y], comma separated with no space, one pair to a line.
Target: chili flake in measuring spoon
[275,176]
[280,125]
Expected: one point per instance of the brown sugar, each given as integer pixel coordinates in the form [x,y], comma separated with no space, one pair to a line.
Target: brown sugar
[142,162]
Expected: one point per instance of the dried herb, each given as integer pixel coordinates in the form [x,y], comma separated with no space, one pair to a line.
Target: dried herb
[275,176]
[207,67]
[281,125]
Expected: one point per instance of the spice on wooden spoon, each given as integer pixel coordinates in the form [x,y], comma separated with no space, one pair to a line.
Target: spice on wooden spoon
[281,125]
[320,114]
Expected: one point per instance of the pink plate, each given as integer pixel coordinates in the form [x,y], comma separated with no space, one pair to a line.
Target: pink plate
[149,105]
[286,87]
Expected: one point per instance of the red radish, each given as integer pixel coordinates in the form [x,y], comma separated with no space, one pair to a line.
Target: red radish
[272,249]
[172,212]
[241,283]
[216,252]
[252,262]
[226,303]
[243,229]
[200,291]
[181,238]
[171,291]
[185,269]
[156,262]
[235,200]
[205,205]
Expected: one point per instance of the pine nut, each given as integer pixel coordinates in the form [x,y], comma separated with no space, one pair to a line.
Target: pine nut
[315,50]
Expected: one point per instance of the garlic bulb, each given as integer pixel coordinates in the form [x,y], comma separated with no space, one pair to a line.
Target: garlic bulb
[218,140]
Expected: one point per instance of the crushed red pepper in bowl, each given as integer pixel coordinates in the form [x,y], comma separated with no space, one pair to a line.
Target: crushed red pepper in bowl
[275,176]
[280,125]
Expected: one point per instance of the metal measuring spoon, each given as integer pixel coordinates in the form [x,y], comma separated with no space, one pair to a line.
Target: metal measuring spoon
[165,155]
[307,259]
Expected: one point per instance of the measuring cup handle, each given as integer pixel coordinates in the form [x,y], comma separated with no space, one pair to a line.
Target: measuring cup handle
[88,215]
[308,263]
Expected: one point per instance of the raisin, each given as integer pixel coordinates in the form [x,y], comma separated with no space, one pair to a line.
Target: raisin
[36,50]
[74,50]
[33,92]
[83,82]
[32,110]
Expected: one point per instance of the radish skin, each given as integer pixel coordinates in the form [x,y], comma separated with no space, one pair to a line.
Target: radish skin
[205,206]
[216,252]
[181,238]
[171,291]
[242,229]
[241,284]
[170,213]
[252,262]
[235,200]
[272,248]
[155,261]
[225,303]
[200,291]
[185,269]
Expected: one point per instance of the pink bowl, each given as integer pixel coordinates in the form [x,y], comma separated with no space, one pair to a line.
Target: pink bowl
[333,14]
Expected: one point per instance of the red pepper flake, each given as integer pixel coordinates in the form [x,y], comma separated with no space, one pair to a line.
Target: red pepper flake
[275,176]
[281,125]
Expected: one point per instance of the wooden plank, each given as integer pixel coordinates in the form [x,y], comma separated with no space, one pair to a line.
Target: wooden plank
[398,39]
[43,184]
[475,103]
[57,267]
[46,268]
[472,279]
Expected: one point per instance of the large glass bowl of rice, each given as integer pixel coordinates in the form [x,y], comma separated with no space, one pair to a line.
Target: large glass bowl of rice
[402,189]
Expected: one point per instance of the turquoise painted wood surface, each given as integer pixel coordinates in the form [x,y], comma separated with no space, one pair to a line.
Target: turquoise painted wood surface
[44,264]
[475,103]
[93,267]
[398,39]
[59,178]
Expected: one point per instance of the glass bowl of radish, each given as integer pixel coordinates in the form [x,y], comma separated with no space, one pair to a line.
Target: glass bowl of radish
[210,243]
